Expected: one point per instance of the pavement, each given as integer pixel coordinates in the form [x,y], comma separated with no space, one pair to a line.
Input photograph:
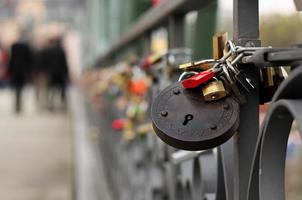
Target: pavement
[37,160]
[35,151]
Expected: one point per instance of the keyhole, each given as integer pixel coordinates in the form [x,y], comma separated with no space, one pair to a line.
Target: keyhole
[188,118]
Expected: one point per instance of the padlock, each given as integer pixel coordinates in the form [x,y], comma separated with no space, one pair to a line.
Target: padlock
[128,130]
[118,124]
[213,91]
[268,76]
[184,120]
[152,59]
[198,79]
[198,65]
[144,128]
[271,78]
[219,41]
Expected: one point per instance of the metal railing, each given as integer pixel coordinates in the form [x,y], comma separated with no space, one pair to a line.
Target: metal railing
[249,166]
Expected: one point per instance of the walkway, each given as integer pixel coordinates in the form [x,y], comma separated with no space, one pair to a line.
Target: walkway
[35,152]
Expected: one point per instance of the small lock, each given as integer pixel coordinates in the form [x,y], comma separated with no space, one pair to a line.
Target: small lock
[268,76]
[128,130]
[219,40]
[271,78]
[198,65]
[213,91]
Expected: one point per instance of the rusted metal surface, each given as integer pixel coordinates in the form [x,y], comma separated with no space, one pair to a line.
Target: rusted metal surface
[184,120]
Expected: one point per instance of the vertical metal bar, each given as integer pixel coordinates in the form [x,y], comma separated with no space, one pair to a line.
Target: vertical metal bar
[176,39]
[146,44]
[176,31]
[205,29]
[246,33]
[246,22]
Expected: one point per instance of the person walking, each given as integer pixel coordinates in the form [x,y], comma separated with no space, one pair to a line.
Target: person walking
[41,76]
[19,68]
[4,73]
[58,71]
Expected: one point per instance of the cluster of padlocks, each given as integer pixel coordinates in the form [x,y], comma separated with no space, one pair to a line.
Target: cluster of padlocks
[190,105]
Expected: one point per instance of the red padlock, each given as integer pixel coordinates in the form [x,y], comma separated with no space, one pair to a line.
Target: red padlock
[152,59]
[118,124]
[198,79]
[146,63]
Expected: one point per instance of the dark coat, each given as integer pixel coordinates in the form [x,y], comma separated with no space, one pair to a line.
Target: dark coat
[57,65]
[20,63]
[41,62]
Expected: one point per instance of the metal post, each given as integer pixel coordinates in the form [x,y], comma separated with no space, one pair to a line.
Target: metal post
[246,33]
[246,22]
[205,29]
[146,44]
[176,31]
[175,40]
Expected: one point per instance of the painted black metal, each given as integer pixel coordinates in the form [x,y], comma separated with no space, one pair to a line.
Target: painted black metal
[269,156]
[176,31]
[182,119]
[276,57]
[248,166]
[221,181]
[290,88]
[246,22]
[246,33]
[226,152]
[298,4]
[274,146]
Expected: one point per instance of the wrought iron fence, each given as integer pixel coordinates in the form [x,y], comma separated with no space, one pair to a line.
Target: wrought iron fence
[249,166]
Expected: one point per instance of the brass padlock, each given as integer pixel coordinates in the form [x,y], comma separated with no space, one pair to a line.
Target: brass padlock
[268,76]
[128,131]
[213,91]
[198,65]
[219,41]
[144,128]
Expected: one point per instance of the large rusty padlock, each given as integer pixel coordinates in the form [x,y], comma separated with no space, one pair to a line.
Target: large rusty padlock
[183,119]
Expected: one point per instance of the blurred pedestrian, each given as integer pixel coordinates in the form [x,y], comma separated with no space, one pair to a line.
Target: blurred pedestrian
[19,68]
[4,75]
[41,76]
[58,71]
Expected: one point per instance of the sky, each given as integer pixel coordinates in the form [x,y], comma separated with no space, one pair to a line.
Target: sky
[277,6]
[265,6]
